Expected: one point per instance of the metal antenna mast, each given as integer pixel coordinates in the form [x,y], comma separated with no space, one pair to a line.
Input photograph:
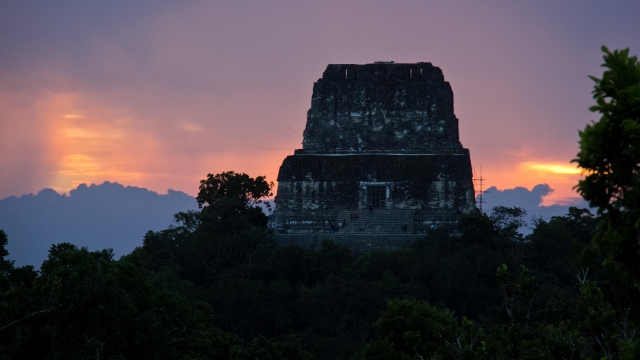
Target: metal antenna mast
[478,182]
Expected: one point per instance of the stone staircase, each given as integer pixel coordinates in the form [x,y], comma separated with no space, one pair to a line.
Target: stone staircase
[381,221]
[385,231]
[357,243]
[311,222]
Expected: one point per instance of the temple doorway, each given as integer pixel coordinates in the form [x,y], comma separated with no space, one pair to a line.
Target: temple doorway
[377,195]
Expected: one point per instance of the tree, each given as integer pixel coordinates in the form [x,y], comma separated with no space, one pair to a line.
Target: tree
[229,184]
[265,349]
[411,329]
[87,305]
[507,221]
[229,201]
[610,155]
[5,265]
[478,228]
[518,297]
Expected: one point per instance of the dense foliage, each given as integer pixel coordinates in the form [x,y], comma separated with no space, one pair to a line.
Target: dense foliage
[610,153]
[228,200]
[233,185]
[192,291]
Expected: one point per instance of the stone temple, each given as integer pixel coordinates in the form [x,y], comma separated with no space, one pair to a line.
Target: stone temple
[379,136]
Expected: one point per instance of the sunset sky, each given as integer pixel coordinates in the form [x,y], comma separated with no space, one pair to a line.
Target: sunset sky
[157,94]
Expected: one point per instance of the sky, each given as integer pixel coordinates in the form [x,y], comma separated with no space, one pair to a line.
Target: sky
[108,215]
[156,94]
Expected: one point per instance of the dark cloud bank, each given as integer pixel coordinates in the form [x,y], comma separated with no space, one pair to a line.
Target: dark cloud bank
[530,200]
[97,216]
[113,216]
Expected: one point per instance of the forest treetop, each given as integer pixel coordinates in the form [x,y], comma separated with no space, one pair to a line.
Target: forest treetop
[610,154]
[230,184]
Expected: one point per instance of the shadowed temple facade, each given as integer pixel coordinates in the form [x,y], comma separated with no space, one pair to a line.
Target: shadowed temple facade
[380,155]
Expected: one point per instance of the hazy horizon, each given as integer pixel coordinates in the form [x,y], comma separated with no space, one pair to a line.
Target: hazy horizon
[112,215]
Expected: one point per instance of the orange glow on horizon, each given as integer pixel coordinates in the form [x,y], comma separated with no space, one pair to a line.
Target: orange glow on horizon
[553,168]
[86,146]
[92,143]
[561,177]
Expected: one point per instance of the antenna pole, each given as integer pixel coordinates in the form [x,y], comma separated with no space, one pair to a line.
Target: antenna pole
[478,194]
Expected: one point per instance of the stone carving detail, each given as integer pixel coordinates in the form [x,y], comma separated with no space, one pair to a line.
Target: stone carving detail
[381,107]
[386,127]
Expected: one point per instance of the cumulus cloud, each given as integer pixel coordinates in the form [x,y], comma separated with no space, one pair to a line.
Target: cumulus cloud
[109,215]
[530,200]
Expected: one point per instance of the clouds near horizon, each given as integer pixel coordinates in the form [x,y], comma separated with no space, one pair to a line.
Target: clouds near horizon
[532,201]
[108,215]
[111,215]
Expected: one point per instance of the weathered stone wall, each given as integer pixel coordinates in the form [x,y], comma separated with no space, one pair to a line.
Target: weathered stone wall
[381,107]
[440,183]
[381,124]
